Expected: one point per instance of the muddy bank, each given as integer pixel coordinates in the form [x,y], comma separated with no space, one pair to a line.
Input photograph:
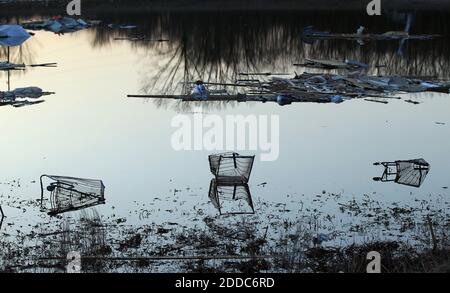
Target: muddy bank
[409,238]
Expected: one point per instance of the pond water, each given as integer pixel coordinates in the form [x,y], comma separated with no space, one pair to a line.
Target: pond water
[90,129]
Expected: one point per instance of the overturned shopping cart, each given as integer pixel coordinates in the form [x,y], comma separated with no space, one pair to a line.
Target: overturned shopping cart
[231,167]
[407,172]
[64,194]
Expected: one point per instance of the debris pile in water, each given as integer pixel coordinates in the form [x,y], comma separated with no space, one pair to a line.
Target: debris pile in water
[59,24]
[316,88]
[19,97]
[309,33]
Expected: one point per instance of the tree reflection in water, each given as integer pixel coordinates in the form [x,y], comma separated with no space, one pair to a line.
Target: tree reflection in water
[214,46]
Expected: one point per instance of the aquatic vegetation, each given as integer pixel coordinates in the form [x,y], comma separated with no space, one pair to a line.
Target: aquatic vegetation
[268,241]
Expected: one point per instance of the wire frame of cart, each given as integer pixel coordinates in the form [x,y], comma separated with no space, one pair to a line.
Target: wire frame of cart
[231,198]
[2,217]
[229,191]
[407,172]
[60,194]
[231,167]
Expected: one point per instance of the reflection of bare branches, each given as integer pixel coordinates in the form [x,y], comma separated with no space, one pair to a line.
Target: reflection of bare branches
[205,106]
[211,51]
[20,55]
[419,58]
[217,46]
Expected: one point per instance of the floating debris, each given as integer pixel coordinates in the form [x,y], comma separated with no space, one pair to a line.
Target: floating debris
[231,167]
[5,65]
[19,104]
[31,92]
[199,91]
[262,73]
[13,35]
[313,88]
[333,64]
[17,97]
[376,101]
[309,33]
[232,193]
[141,39]
[122,26]
[412,102]
[10,36]
[70,194]
[409,172]
[320,238]
[368,85]
[11,66]
[58,25]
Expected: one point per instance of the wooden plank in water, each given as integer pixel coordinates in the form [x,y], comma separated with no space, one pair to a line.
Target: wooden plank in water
[385,36]
[376,101]
[192,98]
[222,98]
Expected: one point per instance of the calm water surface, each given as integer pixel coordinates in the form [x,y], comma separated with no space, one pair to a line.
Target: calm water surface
[90,129]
